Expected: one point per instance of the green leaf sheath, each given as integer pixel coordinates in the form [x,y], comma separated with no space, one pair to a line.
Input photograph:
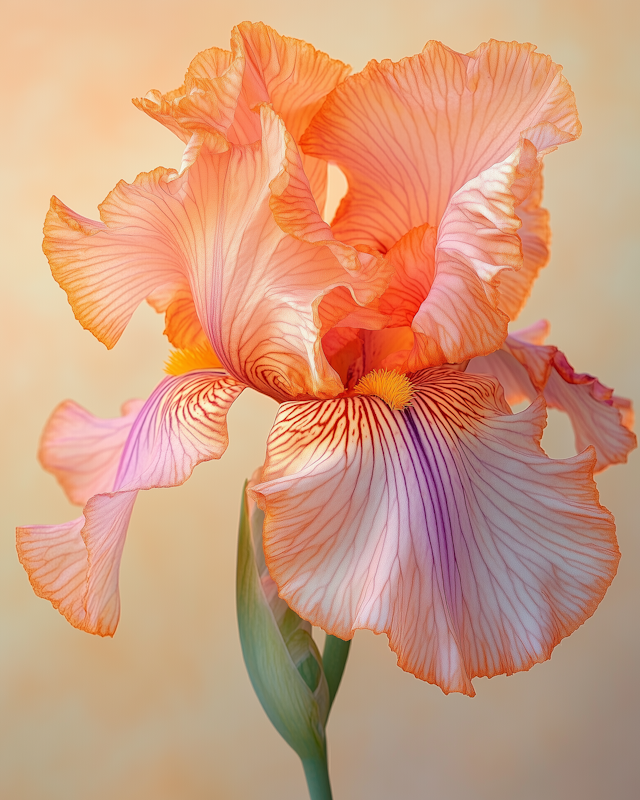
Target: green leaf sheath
[282,660]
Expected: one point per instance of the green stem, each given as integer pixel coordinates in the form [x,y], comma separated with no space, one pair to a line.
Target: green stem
[334,659]
[316,772]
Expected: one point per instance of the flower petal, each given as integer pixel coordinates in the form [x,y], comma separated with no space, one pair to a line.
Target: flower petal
[222,90]
[183,423]
[599,417]
[295,78]
[182,326]
[535,235]
[444,526]
[207,99]
[84,451]
[477,240]
[256,275]
[75,565]
[408,135]
[257,285]
[107,268]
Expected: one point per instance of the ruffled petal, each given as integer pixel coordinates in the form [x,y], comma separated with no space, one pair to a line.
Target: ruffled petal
[208,98]
[260,281]
[295,78]
[182,326]
[477,240]
[408,135]
[444,526]
[599,417]
[535,235]
[84,451]
[76,565]
[241,230]
[222,90]
[447,284]
[108,268]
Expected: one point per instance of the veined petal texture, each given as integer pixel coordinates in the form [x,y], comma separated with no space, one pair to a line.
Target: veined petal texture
[444,526]
[598,416]
[240,229]
[75,565]
[408,135]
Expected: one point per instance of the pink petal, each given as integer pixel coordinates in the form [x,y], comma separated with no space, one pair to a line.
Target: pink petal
[535,234]
[409,135]
[444,526]
[599,417]
[477,240]
[84,451]
[75,565]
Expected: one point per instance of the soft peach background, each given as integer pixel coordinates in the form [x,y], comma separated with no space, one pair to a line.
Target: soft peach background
[165,711]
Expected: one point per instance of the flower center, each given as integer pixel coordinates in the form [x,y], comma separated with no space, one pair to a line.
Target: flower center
[395,389]
[202,356]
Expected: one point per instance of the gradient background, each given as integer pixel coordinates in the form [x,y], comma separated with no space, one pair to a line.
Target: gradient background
[165,710]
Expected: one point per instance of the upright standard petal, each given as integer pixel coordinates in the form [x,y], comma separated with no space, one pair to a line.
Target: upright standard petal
[265,263]
[446,283]
[599,418]
[222,89]
[75,565]
[408,135]
[443,525]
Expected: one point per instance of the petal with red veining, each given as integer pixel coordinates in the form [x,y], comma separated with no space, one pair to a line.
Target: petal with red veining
[75,565]
[444,526]
[599,418]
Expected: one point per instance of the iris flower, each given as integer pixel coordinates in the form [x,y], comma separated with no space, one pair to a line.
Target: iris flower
[401,493]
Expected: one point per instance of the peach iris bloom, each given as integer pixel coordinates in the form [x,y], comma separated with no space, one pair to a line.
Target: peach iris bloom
[401,494]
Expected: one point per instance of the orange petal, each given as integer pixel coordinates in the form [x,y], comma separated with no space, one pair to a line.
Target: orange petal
[273,262]
[444,526]
[107,268]
[408,135]
[222,90]
[599,417]
[182,326]
[208,98]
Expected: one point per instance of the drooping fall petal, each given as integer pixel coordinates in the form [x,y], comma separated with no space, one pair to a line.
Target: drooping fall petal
[84,451]
[599,417]
[443,525]
[75,565]
[408,135]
